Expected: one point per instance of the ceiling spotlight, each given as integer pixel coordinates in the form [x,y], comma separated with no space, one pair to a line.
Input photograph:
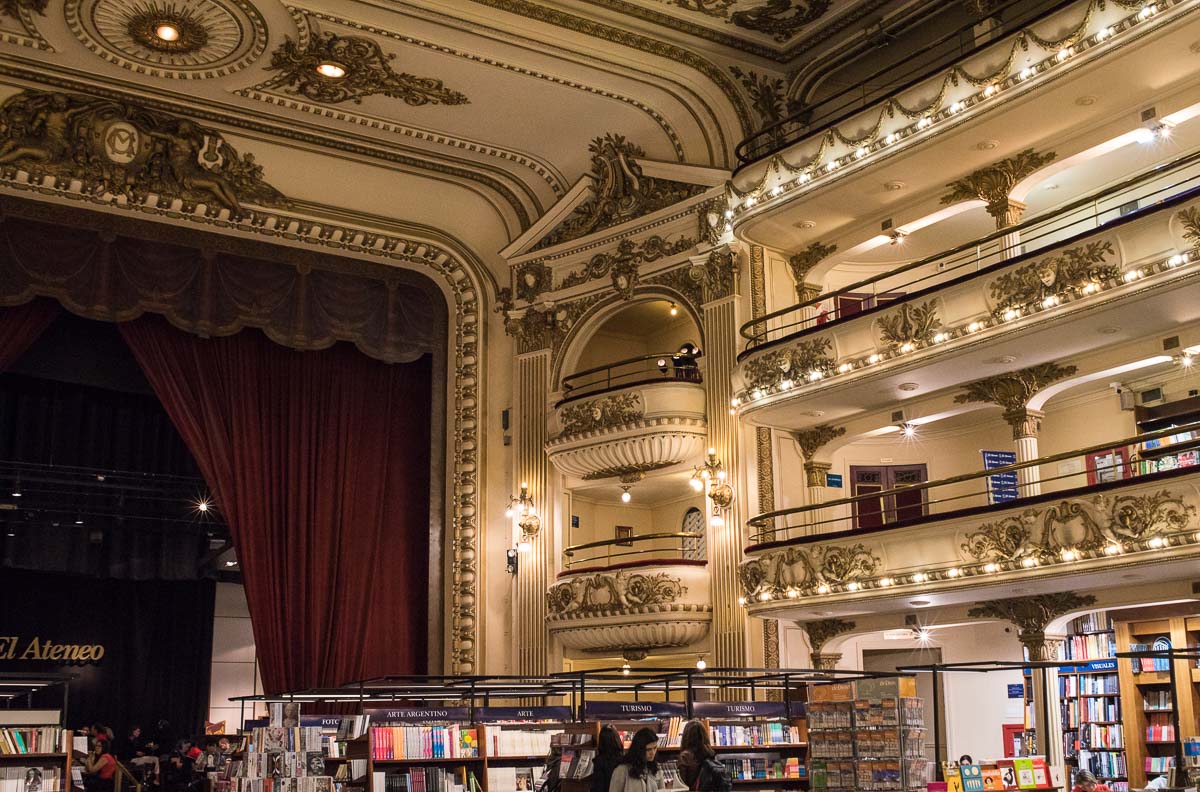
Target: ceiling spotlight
[231,563]
[166,31]
[909,430]
[701,664]
[923,635]
[625,669]
[674,309]
[331,70]
[202,506]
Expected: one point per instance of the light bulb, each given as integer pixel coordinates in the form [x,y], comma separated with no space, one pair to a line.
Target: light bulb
[331,70]
[701,665]
[508,512]
[202,506]
[674,310]
[712,451]
[721,475]
[697,484]
[167,32]
[716,521]
[524,546]
[626,497]
[625,669]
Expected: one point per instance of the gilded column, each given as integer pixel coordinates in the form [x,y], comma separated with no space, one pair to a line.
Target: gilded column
[993,185]
[725,542]
[1026,424]
[810,441]
[532,467]
[801,264]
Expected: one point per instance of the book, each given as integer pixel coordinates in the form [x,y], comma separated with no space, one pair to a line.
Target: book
[1024,769]
[1041,776]
[972,777]
[992,781]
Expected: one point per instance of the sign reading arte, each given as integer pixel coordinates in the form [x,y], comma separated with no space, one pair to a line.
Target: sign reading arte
[15,647]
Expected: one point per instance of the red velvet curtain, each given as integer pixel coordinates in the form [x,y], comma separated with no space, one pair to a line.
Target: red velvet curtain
[21,325]
[319,462]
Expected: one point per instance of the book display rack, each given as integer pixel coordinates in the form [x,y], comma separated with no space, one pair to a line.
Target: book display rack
[35,751]
[471,746]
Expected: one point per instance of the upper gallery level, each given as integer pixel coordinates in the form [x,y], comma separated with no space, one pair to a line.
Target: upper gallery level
[1109,233]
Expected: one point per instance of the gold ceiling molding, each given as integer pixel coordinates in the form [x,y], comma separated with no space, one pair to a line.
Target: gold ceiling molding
[994,183]
[1070,269]
[768,95]
[619,191]
[1031,615]
[910,324]
[803,262]
[468,286]
[822,631]
[628,252]
[367,72]
[216,37]
[122,149]
[302,15]
[812,440]
[1013,390]
[23,12]
[629,474]
[626,38]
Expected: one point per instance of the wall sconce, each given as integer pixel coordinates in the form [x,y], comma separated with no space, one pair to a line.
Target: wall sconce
[521,508]
[711,476]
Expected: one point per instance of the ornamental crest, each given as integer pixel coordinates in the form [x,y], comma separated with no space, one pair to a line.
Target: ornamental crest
[1073,268]
[119,148]
[605,593]
[805,569]
[793,362]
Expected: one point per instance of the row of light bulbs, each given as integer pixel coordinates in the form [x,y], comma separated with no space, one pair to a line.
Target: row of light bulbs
[1010,314]
[627,669]
[1065,556]
[926,121]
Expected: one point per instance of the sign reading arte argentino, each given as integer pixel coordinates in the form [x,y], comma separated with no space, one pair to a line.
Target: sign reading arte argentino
[16,647]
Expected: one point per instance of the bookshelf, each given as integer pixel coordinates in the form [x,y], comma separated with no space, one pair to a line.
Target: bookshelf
[33,743]
[1090,702]
[1150,705]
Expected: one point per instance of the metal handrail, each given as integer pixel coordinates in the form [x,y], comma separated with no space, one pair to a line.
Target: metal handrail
[682,536]
[777,139]
[765,532]
[758,332]
[664,366]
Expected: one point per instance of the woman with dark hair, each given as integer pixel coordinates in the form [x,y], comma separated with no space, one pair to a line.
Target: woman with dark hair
[698,765]
[608,756]
[638,772]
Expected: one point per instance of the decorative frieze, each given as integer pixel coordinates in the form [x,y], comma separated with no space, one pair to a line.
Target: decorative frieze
[625,259]
[122,149]
[611,593]
[804,571]
[1070,269]
[609,412]
[910,324]
[793,362]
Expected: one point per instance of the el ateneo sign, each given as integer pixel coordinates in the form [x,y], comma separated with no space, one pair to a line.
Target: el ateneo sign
[19,648]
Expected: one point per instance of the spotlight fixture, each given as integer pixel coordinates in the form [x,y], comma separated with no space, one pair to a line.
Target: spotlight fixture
[674,309]
[331,70]
[909,430]
[231,563]
[923,635]
[202,506]
[625,669]
[166,31]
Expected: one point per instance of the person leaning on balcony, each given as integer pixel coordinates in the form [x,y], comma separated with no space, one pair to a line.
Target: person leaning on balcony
[1085,781]
[638,772]
[685,362]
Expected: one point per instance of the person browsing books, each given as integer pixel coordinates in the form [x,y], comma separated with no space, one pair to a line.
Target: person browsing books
[698,763]
[608,756]
[1085,781]
[638,772]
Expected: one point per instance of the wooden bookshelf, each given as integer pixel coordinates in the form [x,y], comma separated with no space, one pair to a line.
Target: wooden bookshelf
[1135,688]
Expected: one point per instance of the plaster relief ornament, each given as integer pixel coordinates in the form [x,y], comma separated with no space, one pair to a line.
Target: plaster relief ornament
[366,71]
[780,19]
[13,8]
[122,149]
[179,39]
[1069,269]
[620,191]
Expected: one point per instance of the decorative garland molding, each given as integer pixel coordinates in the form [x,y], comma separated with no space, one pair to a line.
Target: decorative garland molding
[23,12]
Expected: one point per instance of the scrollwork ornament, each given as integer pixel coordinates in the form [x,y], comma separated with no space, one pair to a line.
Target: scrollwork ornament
[1031,615]
[612,593]
[1073,268]
[791,362]
[628,253]
[1190,219]
[367,72]
[608,412]
[803,570]
[911,324]
[13,8]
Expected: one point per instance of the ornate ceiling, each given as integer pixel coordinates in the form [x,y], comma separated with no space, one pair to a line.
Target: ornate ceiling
[469,118]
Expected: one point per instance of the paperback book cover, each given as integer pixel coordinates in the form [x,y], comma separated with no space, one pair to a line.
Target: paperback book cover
[972,778]
[1024,768]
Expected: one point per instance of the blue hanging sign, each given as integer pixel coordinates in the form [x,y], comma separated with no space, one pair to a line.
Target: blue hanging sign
[492,714]
[1002,487]
[612,710]
[323,721]
[739,709]
[417,715]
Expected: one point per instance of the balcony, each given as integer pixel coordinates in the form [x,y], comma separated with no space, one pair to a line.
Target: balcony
[982,534]
[633,596]
[629,418]
[1011,292]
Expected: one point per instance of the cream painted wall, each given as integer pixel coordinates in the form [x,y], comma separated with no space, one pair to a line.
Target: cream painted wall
[496,590]
[598,521]
[610,344]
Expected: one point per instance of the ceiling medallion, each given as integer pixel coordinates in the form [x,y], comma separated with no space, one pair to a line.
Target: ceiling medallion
[181,39]
[167,29]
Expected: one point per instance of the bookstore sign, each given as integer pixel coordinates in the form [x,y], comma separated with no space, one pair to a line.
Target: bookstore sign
[412,715]
[15,647]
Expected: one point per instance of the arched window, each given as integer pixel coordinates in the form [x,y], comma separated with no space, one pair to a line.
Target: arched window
[693,523]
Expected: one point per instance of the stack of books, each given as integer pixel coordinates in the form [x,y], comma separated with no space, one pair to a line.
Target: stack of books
[424,742]
[32,740]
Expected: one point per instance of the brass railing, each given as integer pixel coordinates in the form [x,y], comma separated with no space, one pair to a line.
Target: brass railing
[640,370]
[1043,232]
[678,546]
[963,492]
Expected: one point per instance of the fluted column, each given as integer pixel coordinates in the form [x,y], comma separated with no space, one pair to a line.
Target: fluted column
[535,568]
[814,478]
[1007,213]
[993,185]
[1026,425]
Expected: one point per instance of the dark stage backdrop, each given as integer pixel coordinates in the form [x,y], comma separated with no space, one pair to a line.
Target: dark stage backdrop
[157,639]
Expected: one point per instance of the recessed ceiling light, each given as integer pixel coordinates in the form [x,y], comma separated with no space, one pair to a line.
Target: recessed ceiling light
[1086,100]
[166,31]
[806,224]
[815,413]
[908,386]
[1051,186]
[1003,360]
[920,603]
[894,186]
[334,71]
[1110,330]
[987,145]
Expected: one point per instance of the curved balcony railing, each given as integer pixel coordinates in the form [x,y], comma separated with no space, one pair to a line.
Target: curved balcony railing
[961,495]
[1160,187]
[657,548]
[640,370]
[891,80]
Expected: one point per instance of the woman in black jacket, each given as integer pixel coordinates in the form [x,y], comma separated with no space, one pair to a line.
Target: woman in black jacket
[698,763]
[608,756]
